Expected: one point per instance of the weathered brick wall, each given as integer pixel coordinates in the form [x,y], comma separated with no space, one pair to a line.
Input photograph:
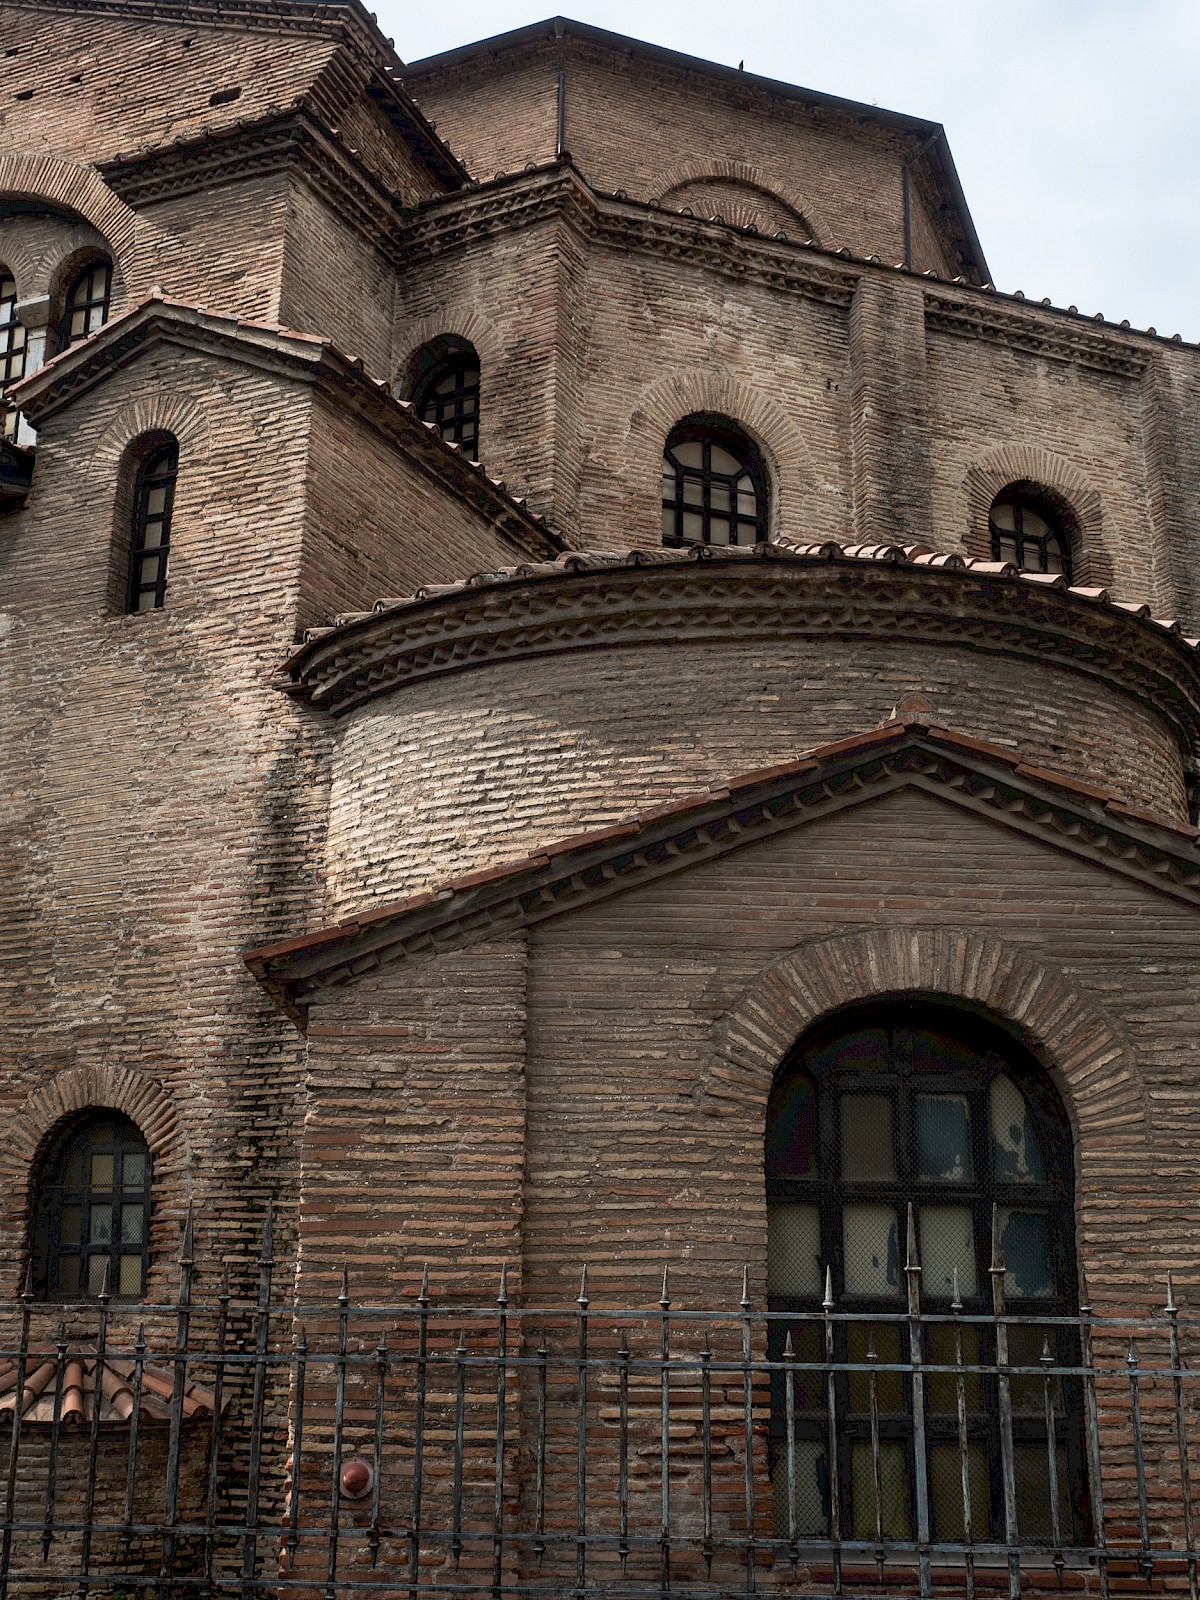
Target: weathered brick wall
[226,246]
[466,771]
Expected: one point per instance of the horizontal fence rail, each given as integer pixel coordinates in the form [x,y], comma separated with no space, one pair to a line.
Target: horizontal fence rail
[255,1444]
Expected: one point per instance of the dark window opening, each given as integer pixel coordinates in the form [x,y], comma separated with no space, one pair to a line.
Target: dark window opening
[88,302]
[12,345]
[92,1213]
[918,1104]
[154,498]
[714,486]
[448,396]
[1025,532]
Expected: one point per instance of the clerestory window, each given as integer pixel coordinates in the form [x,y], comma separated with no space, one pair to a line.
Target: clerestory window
[714,485]
[918,1104]
[448,396]
[87,303]
[150,537]
[1025,532]
[92,1212]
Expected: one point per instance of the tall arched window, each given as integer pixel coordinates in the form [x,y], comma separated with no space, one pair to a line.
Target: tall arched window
[446,391]
[918,1103]
[714,485]
[12,342]
[1026,532]
[87,302]
[150,535]
[92,1212]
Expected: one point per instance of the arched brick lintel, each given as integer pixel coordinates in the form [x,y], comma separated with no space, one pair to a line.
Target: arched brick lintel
[1089,1062]
[154,411]
[1062,481]
[101,1088]
[463,323]
[82,190]
[742,172]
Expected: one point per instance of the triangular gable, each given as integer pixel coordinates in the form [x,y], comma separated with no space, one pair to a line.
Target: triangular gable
[1076,817]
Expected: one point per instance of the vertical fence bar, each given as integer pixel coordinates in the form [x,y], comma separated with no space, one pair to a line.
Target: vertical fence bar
[14,1437]
[581,1437]
[664,1393]
[266,1266]
[1004,1390]
[539,1488]
[381,1372]
[623,1451]
[89,1493]
[1048,1382]
[706,1449]
[876,1475]
[300,1376]
[55,1431]
[135,1423]
[214,1440]
[748,1430]
[916,1353]
[183,1318]
[1096,1481]
[789,1407]
[964,1456]
[835,1488]
[460,1423]
[1145,1560]
[1185,1472]
[418,1470]
[339,1417]
[501,1404]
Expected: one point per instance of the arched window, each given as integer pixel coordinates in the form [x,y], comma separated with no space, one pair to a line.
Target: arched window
[92,1212]
[12,343]
[153,500]
[86,303]
[922,1104]
[714,486]
[446,391]
[1026,532]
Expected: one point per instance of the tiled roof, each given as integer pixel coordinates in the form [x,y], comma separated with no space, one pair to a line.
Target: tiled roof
[120,1384]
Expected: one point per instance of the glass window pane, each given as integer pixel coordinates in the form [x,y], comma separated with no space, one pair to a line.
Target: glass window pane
[947,1241]
[133,1169]
[888,1511]
[941,1351]
[102,1170]
[944,1137]
[70,1226]
[946,1484]
[887,1341]
[68,1274]
[719,498]
[73,1176]
[868,1152]
[789,1147]
[132,1217]
[1007,550]
[794,1264]
[872,1253]
[693,492]
[1004,517]
[1033,523]
[693,527]
[810,1472]
[1029,1267]
[718,531]
[690,454]
[1028,1389]
[100,1224]
[98,1274]
[1032,1472]
[723,461]
[129,1281]
[668,524]
[1016,1149]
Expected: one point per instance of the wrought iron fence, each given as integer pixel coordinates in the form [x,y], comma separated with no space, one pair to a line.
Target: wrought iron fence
[251,1443]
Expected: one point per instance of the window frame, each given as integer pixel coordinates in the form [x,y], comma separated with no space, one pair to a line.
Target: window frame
[13,346]
[162,457]
[824,1186]
[98,1132]
[448,413]
[1021,501]
[92,302]
[710,431]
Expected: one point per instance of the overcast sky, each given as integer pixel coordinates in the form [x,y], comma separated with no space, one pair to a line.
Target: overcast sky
[1075,124]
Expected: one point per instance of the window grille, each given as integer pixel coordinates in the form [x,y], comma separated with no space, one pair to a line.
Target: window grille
[1024,533]
[93,1213]
[88,302]
[12,344]
[714,487]
[448,397]
[903,1106]
[154,498]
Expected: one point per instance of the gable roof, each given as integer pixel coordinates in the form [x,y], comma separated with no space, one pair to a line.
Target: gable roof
[1073,816]
[929,138]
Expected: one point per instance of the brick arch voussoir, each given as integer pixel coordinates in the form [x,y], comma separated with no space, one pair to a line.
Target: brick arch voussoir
[730,171]
[82,190]
[1091,1064]
[463,323]
[157,411]
[1018,463]
[80,1089]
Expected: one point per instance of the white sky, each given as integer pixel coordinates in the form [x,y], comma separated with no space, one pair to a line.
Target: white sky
[1075,124]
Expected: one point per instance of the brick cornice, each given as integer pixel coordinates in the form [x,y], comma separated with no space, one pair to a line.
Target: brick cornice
[591,601]
[1046,332]
[990,782]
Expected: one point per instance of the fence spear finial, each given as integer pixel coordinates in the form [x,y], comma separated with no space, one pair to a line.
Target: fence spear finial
[502,1299]
[1172,1308]
[583,1289]
[664,1299]
[827,1303]
[746,1286]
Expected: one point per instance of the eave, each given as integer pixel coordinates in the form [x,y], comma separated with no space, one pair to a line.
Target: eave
[1035,803]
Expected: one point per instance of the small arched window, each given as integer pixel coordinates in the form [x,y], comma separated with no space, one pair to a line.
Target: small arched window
[92,1212]
[1026,532]
[912,1103]
[714,485]
[87,302]
[150,535]
[12,343]
[446,391]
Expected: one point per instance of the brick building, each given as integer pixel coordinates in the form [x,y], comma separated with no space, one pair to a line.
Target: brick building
[580,690]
